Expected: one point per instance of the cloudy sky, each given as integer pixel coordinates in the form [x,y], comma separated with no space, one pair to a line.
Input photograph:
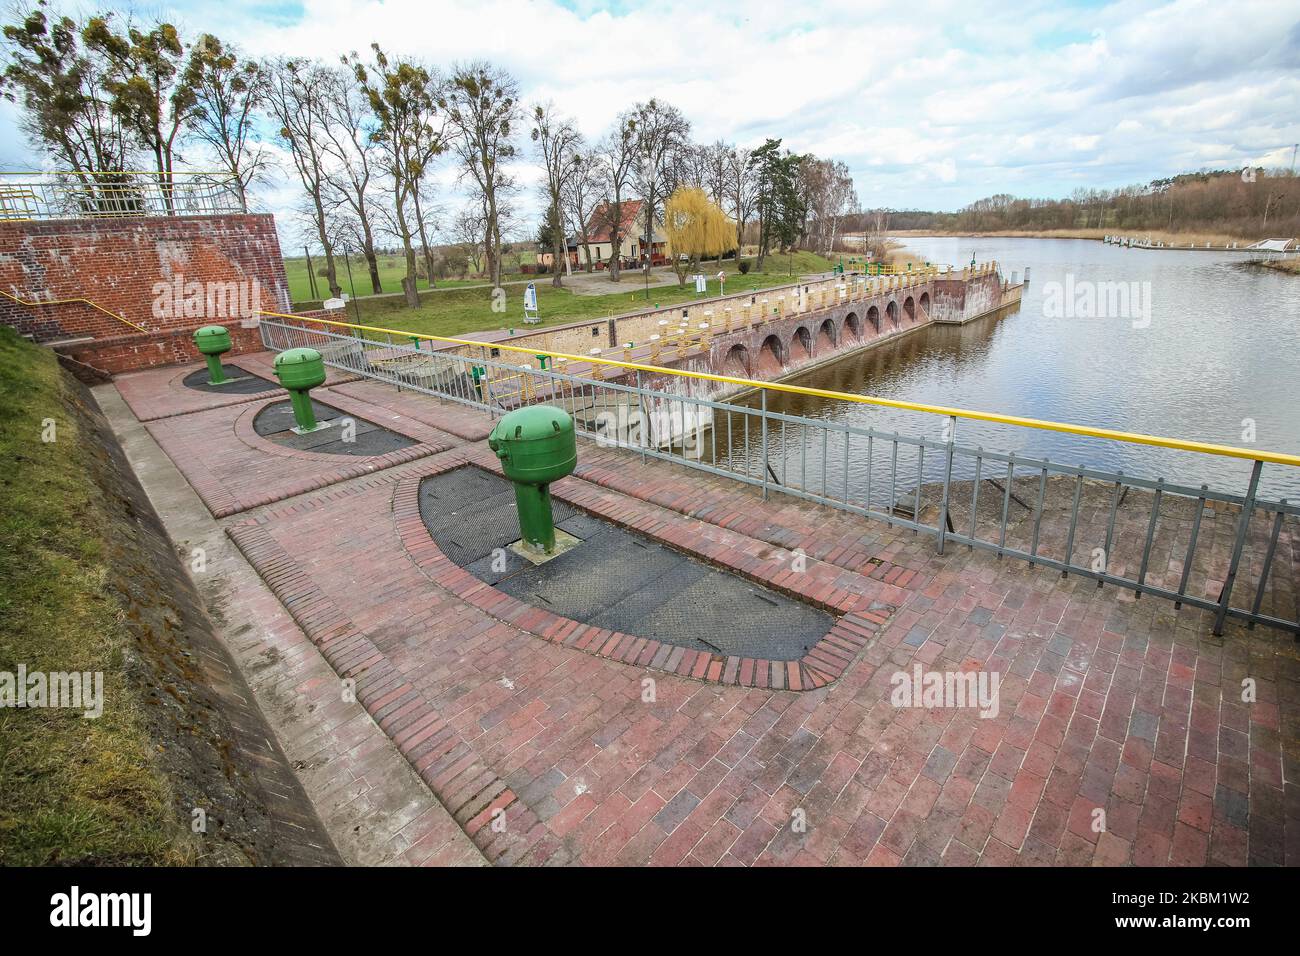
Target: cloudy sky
[934,108]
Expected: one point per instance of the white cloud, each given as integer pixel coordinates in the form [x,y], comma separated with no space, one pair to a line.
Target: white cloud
[932,105]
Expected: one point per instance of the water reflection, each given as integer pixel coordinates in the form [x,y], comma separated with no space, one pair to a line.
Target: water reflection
[1219,356]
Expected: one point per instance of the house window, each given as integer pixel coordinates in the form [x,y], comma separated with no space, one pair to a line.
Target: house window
[595,330]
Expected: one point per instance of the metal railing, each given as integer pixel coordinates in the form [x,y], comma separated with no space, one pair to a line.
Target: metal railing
[112,195]
[38,303]
[1132,532]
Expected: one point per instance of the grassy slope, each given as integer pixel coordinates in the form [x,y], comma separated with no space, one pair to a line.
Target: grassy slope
[468,310]
[71,789]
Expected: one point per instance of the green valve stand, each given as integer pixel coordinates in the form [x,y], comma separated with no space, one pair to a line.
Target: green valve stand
[299,371]
[536,446]
[213,341]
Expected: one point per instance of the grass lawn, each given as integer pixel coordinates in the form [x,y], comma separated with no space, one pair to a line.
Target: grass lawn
[71,788]
[391,271]
[470,310]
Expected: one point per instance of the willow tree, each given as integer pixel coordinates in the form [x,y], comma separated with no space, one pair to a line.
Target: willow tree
[696,228]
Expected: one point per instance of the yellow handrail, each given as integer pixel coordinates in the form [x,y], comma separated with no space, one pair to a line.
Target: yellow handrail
[115,172]
[93,305]
[1088,431]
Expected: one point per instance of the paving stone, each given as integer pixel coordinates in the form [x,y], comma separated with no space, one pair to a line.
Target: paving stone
[1100,693]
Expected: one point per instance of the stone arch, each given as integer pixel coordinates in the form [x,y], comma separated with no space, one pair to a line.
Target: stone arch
[801,343]
[772,357]
[925,304]
[909,309]
[853,324]
[873,319]
[826,337]
[891,312]
[736,364]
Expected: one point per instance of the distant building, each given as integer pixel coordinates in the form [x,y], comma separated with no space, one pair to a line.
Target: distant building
[632,246]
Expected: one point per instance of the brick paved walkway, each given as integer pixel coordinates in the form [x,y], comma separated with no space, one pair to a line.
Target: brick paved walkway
[234,469]
[161,393]
[1106,703]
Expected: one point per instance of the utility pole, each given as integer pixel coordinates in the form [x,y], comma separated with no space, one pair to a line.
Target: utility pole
[347,257]
[311,277]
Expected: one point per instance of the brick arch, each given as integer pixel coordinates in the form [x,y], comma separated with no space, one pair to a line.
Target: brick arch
[737,362]
[801,344]
[909,309]
[827,336]
[925,303]
[873,319]
[853,324]
[772,357]
[891,312]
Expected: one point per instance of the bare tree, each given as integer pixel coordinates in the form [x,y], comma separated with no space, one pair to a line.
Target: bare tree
[662,135]
[841,199]
[579,195]
[298,94]
[742,189]
[228,92]
[618,155]
[559,145]
[352,141]
[467,231]
[59,81]
[482,107]
[401,97]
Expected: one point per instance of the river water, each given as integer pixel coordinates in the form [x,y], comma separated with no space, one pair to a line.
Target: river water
[1215,358]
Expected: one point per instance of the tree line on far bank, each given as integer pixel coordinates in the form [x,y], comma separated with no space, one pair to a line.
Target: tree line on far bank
[1251,203]
[363,137]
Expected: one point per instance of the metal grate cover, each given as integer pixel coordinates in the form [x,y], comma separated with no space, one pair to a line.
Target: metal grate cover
[240,382]
[614,578]
[275,421]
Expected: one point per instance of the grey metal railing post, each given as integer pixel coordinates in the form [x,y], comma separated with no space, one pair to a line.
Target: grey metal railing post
[1268,562]
[763,414]
[947,484]
[642,426]
[1243,526]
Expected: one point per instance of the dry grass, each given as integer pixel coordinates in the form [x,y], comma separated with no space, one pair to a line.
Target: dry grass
[1177,239]
[1290,265]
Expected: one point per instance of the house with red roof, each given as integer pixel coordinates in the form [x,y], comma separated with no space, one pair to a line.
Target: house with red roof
[632,244]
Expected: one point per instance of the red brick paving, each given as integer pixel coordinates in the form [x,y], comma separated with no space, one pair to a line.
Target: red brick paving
[161,393]
[233,468]
[1107,704]
[459,420]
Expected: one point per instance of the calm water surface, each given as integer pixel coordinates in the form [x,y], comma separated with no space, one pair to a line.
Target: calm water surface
[1222,347]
